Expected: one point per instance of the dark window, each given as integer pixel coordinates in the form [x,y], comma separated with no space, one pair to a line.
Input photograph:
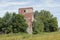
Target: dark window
[24,10]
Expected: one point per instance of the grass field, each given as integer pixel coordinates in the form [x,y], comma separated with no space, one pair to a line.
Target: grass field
[41,36]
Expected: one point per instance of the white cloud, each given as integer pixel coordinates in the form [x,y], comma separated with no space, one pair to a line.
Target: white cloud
[47,3]
[41,4]
[2,13]
[5,4]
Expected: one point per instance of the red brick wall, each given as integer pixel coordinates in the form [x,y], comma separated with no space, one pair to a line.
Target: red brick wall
[27,15]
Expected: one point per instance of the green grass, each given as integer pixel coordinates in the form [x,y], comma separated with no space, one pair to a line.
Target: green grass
[23,36]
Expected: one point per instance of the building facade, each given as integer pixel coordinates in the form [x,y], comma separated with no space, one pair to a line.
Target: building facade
[29,16]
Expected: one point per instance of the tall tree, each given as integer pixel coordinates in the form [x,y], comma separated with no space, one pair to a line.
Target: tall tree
[6,19]
[53,24]
[13,23]
[18,23]
[50,22]
[38,27]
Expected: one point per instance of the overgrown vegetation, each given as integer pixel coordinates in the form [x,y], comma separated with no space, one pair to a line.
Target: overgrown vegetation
[44,22]
[14,23]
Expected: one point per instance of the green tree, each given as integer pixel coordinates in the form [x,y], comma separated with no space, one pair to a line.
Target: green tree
[1,24]
[38,27]
[53,24]
[6,22]
[36,14]
[18,23]
[50,22]
[13,23]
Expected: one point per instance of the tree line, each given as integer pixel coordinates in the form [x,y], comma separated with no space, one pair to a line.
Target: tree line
[44,21]
[12,23]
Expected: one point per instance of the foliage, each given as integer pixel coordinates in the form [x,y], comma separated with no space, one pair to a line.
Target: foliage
[44,21]
[38,27]
[53,24]
[50,23]
[18,23]
[12,23]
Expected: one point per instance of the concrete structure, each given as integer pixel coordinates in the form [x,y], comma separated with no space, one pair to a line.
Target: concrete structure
[28,14]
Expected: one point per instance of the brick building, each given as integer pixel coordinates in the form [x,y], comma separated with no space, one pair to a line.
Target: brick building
[28,15]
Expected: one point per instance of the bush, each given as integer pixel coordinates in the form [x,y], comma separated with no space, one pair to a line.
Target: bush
[13,23]
[38,27]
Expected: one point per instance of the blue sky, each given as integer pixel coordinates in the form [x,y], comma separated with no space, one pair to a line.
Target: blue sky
[12,6]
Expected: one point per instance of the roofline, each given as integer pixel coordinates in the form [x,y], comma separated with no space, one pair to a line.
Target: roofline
[27,8]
